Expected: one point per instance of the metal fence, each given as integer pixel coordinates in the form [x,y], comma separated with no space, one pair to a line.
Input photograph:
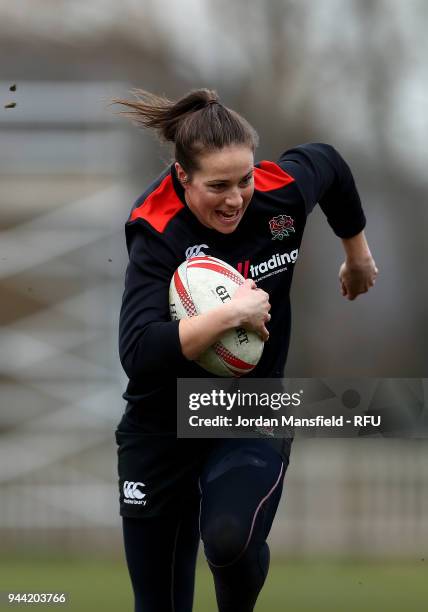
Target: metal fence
[355,497]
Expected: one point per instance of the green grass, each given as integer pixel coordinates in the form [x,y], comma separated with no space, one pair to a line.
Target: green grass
[292,586]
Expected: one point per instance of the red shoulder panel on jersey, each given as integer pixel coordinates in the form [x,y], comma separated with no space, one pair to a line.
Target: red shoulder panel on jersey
[269,176]
[160,206]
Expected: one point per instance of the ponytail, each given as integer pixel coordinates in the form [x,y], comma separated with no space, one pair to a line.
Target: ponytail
[196,123]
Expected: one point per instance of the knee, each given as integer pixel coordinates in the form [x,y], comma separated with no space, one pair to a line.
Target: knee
[224,539]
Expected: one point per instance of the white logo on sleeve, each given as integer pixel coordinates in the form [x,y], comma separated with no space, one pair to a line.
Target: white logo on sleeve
[196,250]
[132,493]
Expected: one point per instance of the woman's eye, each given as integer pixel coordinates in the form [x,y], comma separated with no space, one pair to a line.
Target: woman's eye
[220,186]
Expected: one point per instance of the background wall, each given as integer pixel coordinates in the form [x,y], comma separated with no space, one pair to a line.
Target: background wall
[352,73]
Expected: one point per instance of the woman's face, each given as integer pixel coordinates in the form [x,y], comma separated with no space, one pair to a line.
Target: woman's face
[220,191]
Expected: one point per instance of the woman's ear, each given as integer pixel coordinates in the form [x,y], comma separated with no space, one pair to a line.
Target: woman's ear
[181,174]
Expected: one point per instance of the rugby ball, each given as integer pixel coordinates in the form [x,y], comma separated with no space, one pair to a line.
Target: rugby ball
[200,284]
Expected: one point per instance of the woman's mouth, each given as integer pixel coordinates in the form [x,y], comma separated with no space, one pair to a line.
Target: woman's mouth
[228,217]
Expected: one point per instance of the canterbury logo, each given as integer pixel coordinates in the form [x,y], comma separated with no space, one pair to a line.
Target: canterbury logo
[196,250]
[132,493]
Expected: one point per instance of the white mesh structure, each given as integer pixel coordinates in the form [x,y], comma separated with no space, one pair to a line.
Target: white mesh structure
[64,202]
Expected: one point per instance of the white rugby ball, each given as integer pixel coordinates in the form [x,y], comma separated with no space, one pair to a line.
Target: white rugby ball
[200,284]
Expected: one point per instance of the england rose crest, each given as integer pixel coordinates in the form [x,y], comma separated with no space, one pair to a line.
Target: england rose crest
[281,226]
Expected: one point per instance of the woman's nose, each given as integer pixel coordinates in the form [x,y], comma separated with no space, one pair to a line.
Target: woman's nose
[234,198]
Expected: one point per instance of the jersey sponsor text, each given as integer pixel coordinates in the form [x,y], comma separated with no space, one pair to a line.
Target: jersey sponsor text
[266,267]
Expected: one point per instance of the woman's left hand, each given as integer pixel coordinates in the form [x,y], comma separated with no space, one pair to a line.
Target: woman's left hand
[356,276]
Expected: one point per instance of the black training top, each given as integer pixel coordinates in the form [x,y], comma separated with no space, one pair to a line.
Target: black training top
[162,232]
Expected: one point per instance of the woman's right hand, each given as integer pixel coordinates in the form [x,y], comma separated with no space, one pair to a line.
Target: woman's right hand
[252,307]
[248,308]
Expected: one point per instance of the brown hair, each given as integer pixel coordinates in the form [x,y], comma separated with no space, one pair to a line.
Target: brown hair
[195,123]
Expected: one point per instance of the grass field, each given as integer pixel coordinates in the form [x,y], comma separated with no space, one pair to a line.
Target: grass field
[292,586]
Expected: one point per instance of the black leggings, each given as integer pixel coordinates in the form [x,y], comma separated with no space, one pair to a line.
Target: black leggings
[240,486]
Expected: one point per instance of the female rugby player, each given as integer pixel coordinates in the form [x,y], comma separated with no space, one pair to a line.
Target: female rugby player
[213,200]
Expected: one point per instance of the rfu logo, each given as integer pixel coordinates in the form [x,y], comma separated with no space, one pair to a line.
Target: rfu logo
[281,227]
[196,250]
[132,493]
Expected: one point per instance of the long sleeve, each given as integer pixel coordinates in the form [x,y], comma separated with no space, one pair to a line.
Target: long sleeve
[324,177]
[149,341]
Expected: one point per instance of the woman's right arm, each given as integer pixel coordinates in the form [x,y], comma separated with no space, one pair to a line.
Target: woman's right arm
[248,308]
[149,342]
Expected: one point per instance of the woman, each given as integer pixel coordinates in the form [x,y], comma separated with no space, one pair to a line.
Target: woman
[213,200]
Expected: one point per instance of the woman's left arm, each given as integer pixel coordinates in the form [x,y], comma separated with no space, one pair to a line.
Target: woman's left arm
[358,272]
[323,176]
